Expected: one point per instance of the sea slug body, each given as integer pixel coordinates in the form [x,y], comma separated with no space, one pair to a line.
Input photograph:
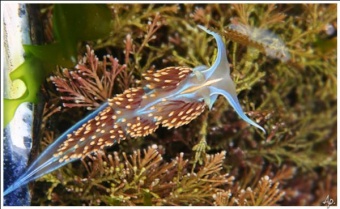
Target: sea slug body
[171,97]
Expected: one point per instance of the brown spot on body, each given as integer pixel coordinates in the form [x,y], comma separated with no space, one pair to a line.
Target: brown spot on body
[129,99]
[177,113]
[92,137]
[167,78]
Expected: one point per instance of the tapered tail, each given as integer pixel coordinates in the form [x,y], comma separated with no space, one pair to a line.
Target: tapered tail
[48,161]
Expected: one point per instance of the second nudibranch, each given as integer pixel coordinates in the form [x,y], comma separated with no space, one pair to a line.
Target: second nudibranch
[171,97]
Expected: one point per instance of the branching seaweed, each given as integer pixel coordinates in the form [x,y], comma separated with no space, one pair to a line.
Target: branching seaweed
[90,84]
[143,179]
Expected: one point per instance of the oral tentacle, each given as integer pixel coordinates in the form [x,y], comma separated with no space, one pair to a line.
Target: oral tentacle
[233,101]
[221,59]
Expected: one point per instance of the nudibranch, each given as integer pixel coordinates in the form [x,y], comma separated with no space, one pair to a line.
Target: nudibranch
[171,97]
[265,40]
